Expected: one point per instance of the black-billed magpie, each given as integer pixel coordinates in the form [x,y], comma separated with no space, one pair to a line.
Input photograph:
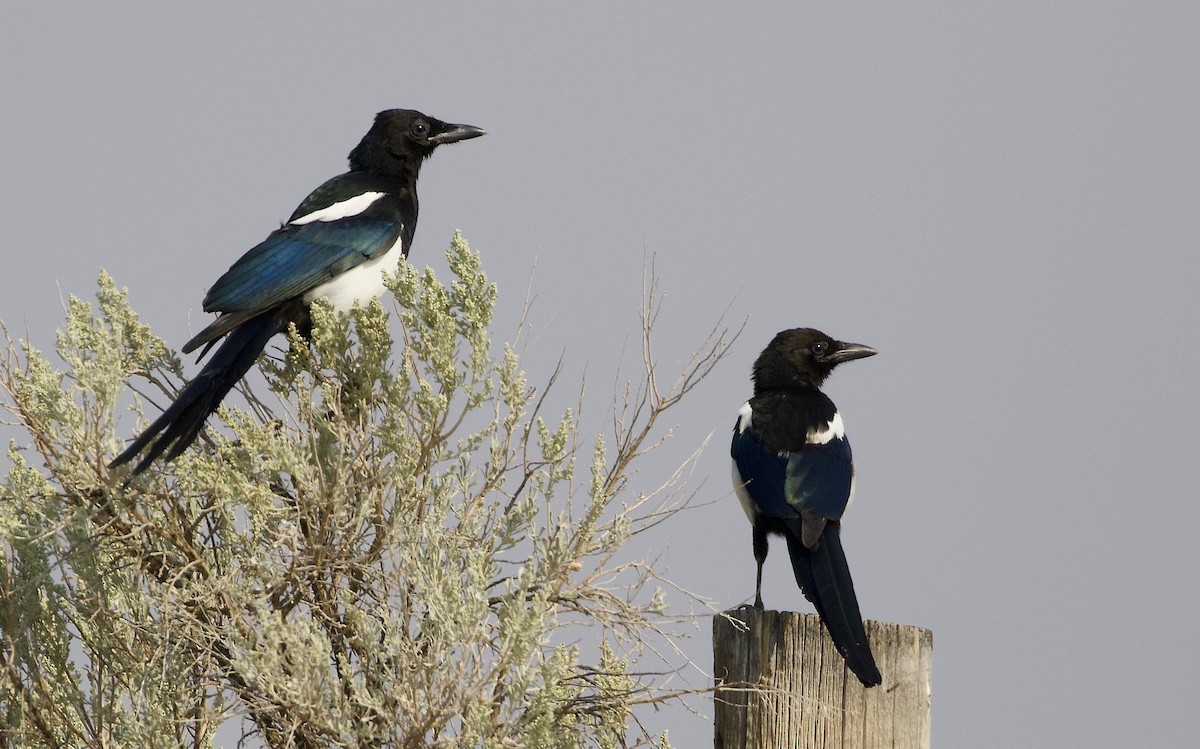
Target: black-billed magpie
[337,245]
[794,475]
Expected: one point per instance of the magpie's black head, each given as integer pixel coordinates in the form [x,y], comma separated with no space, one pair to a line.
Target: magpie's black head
[401,138]
[802,357]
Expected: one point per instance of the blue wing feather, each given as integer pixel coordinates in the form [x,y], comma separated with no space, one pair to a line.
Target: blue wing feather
[819,478]
[763,472]
[815,479]
[298,258]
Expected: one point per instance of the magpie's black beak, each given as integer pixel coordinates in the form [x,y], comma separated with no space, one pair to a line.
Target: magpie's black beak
[455,133]
[849,352]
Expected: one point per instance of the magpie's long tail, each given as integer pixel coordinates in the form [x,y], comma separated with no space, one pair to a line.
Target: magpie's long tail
[824,576]
[180,424]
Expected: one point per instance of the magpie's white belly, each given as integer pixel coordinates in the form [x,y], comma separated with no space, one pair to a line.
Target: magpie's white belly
[361,283]
[743,494]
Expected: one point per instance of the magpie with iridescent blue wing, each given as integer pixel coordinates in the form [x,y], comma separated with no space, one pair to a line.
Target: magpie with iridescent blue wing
[336,245]
[794,474]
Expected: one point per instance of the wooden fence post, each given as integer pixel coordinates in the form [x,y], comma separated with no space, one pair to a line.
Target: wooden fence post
[782,685]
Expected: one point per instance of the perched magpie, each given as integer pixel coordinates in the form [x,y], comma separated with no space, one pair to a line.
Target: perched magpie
[337,245]
[794,475]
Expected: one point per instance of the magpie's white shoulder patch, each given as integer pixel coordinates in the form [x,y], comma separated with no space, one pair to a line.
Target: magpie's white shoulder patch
[341,209]
[745,413]
[831,431]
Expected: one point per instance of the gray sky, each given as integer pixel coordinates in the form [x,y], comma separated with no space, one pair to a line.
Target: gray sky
[1003,201]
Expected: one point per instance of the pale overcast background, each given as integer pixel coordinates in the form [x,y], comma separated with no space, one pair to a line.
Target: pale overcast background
[1003,199]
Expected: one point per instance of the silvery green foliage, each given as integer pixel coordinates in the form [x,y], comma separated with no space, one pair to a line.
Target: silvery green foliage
[391,554]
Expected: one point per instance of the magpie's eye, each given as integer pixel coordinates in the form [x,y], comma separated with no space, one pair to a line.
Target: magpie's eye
[419,129]
[819,348]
